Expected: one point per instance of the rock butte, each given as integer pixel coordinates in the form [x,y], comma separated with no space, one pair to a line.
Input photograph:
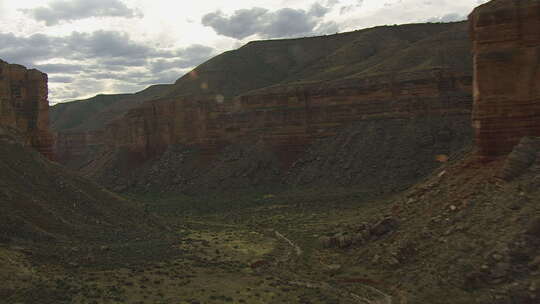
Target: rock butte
[506,42]
[24,108]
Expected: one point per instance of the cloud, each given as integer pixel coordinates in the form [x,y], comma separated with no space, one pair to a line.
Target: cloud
[184,58]
[25,50]
[104,59]
[285,22]
[329,27]
[75,90]
[400,12]
[243,23]
[167,76]
[332,3]
[349,8]
[69,10]
[105,44]
[124,62]
[109,48]
[317,10]
[452,17]
[61,79]
[63,68]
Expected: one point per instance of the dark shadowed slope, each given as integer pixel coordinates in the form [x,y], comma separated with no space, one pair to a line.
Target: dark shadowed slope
[376,50]
[39,200]
[94,113]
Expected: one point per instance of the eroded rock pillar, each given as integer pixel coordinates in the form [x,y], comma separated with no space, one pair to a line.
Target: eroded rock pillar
[506,46]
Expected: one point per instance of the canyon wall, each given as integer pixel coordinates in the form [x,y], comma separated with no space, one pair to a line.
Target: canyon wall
[70,146]
[258,116]
[224,98]
[288,118]
[24,108]
[506,42]
[381,133]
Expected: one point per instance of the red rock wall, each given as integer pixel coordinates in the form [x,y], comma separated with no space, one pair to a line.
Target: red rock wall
[287,119]
[506,37]
[73,145]
[24,107]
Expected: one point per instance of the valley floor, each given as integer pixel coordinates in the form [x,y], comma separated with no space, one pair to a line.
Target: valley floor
[459,237]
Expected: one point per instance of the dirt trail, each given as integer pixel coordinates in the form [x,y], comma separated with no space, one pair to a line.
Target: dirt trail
[297,248]
[371,295]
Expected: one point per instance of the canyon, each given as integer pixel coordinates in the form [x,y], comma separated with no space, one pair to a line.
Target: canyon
[398,164]
[301,94]
[40,200]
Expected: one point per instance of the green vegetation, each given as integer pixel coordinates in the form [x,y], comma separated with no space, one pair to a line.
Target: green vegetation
[242,249]
[171,204]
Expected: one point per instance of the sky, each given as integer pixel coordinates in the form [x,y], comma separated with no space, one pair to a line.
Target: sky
[90,47]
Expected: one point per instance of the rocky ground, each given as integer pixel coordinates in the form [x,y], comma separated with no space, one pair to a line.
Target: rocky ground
[461,236]
[378,156]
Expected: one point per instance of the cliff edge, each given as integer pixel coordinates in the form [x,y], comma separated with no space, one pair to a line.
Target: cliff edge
[24,108]
[506,47]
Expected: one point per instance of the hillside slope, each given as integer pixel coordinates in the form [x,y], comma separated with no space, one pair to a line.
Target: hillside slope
[383,49]
[94,113]
[260,64]
[40,200]
[267,103]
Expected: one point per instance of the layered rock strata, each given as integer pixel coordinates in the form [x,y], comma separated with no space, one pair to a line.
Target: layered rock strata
[70,146]
[24,108]
[286,118]
[506,39]
[287,90]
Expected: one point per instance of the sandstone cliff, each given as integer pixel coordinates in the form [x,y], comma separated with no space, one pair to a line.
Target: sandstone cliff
[79,125]
[24,108]
[289,64]
[288,118]
[412,75]
[506,36]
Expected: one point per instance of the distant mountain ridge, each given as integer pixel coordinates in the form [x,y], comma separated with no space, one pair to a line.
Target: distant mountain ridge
[268,103]
[264,64]
[94,113]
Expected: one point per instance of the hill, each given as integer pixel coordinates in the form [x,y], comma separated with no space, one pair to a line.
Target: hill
[260,64]
[378,50]
[285,96]
[94,113]
[41,201]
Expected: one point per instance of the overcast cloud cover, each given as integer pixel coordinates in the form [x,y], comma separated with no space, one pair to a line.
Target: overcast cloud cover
[68,10]
[284,22]
[117,46]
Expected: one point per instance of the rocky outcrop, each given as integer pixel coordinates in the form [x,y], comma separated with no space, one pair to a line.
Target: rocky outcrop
[24,108]
[506,39]
[524,155]
[289,118]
